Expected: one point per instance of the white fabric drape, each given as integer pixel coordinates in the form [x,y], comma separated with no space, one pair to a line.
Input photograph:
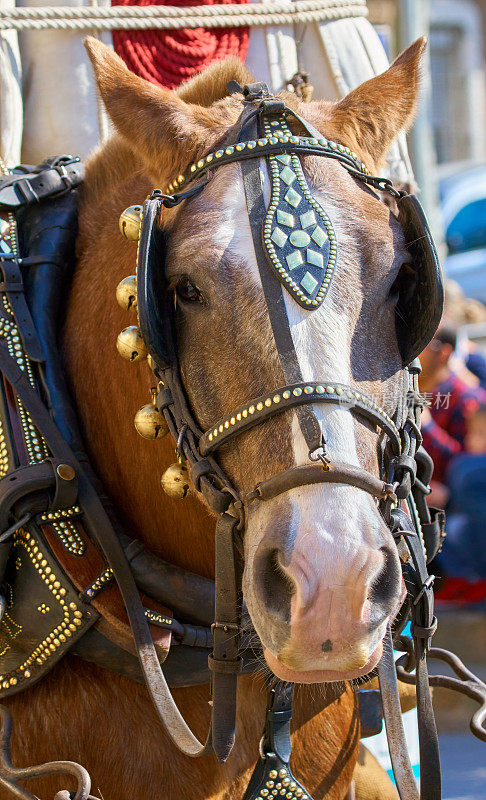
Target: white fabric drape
[338,55]
[59,93]
[10,94]
[62,114]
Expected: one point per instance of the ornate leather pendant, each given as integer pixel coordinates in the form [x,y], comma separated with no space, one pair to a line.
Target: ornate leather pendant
[298,236]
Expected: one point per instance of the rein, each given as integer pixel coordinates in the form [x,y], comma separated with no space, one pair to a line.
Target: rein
[54,511]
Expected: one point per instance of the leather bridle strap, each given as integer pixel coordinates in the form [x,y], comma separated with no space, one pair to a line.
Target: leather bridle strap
[397,743]
[294,395]
[309,474]
[420,590]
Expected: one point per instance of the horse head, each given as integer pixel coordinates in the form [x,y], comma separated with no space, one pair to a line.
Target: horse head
[322,577]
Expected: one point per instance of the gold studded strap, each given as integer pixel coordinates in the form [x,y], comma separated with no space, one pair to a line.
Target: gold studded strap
[262,408]
[268,145]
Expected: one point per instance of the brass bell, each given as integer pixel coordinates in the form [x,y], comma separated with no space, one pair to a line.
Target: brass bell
[175,481]
[126,293]
[150,423]
[130,344]
[129,223]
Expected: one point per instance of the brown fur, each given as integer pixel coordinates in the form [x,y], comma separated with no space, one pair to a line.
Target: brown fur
[79,711]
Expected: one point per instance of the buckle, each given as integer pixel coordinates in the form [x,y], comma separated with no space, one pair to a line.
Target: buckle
[426,587]
[255,91]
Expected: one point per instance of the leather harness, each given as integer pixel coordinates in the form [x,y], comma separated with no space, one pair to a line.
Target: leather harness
[60,532]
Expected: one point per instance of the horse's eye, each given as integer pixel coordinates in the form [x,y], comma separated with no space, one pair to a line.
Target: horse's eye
[187,292]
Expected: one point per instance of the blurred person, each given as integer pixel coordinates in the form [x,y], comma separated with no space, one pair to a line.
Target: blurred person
[451,400]
[476,362]
[463,557]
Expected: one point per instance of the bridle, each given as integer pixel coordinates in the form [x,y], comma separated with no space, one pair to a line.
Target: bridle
[406,464]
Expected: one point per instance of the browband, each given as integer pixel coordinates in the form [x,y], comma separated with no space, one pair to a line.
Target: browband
[268,145]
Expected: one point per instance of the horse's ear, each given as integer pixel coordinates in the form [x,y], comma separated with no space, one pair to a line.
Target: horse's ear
[159,125]
[370,117]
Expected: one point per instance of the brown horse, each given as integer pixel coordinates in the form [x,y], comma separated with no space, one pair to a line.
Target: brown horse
[320,563]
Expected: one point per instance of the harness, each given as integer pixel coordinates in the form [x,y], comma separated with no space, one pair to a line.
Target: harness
[64,552]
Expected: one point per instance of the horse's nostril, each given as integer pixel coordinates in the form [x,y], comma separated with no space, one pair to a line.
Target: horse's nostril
[385,586]
[273,585]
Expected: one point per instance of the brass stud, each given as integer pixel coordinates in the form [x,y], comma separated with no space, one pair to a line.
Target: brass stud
[175,481]
[131,345]
[66,472]
[126,293]
[129,223]
[150,423]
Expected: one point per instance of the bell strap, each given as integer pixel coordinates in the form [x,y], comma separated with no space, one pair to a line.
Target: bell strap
[309,474]
[225,662]
[268,405]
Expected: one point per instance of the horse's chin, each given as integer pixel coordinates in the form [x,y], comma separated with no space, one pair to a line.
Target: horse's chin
[321,675]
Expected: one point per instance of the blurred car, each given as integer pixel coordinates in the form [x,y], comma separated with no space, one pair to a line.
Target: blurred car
[462,192]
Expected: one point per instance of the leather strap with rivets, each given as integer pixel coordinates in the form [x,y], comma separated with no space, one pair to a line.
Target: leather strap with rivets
[261,408]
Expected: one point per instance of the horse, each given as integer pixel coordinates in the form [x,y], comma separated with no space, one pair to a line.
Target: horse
[322,577]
